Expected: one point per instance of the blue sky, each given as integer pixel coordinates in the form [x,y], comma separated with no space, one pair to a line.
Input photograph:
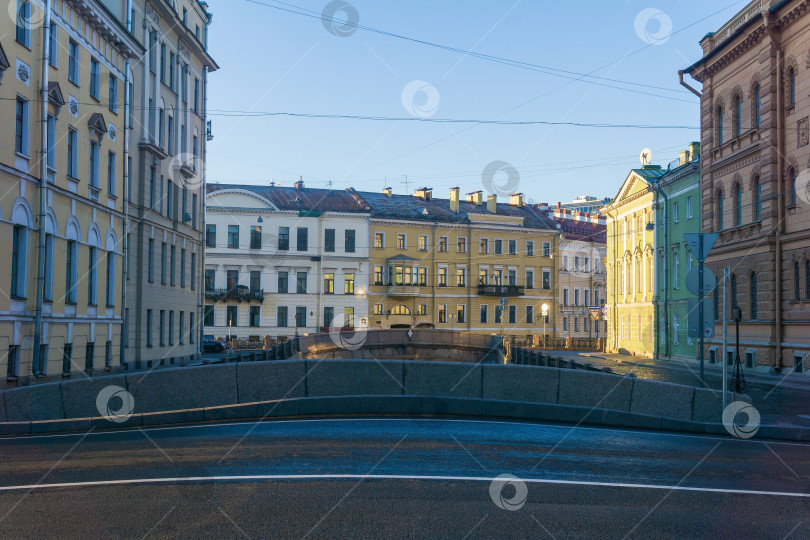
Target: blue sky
[275,61]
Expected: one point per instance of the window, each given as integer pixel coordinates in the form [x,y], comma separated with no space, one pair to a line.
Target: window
[422,243]
[149,326]
[95,79]
[329,283]
[676,269]
[348,284]
[378,275]
[498,247]
[348,317]
[300,316]
[530,314]
[73,153]
[461,277]
[170,145]
[211,236]
[498,313]
[719,126]
[170,204]
[329,315]
[807,279]
[283,238]
[546,279]
[753,293]
[194,151]
[196,96]
[757,199]
[181,330]
[111,173]
[379,240]
[301,283]
[796,281]
[163,62]
[512,247]
[717,303]
[546,249]
[483,276]
[442,313]
[461,245]
[193,271]
[757,107]
[19,261]
[113,105]
[21,127]
[442,277]
[348,241]
[401,243]
[163,253]
[210,279]
[302,239]
[281,316]
[675,212]
[73,62]
[231,279]
[737,116]
[71,271]
[283,282]
[255,237]
[576,297]
[92,276]
[529,248]
[733,293]
[792,187]
[512,314]
[233,236]
[110,299]
[689,208]
[94,163]
[254,317]
[461,313]
[173,266]
[565,297]
[51,142]
[496,276]
[791,87]
[151,261]
[161,127]
[421,276]
[185,17]
[483,246]
[719,210]
[530,279]
[24,23]
[484,313]
[48,293]
[737,205]
[171,327]
[232,316]
[171,71]
[329,240]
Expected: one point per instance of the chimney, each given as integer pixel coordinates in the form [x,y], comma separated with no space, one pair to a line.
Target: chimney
[516,199]
[424,193]
[694,151]
[388,191]
[300,183]
[454,203]
[683,157]
[272,184]
[492,204]
[476,197]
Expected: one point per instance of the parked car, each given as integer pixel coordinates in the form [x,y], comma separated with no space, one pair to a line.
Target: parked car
[212,345]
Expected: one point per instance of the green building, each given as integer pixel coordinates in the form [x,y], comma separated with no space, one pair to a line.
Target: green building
[677,204]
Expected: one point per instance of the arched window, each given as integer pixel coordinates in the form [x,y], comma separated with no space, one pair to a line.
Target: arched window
[791,188]
[797,286]
[757,106]
[807,279]
[719,126]
[737,116]
[719,210]
[753,295]
[791,87]
[737,205]
[734,291]
[400,309]
[716,298]
[757,194]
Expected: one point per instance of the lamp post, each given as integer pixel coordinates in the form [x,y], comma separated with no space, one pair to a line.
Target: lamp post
[544,312]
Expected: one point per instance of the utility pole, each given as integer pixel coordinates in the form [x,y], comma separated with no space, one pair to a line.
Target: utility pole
[700,304]
[725,331]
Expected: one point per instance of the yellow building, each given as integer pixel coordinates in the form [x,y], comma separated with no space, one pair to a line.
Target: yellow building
[630,264]
[447,263]
[63,80]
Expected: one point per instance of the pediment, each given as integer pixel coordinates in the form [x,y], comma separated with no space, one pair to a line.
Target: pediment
[55,95]
[4,65]
[97,123]
[632,184]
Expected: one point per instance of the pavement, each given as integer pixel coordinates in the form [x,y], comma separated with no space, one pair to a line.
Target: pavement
[781,399]
[402,478]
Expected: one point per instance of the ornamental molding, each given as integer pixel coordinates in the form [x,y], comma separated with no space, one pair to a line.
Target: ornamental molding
[803,131]
[151,14]
[731,164]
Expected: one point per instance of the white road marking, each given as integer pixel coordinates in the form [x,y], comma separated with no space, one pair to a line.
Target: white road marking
[528,423]
[324,477]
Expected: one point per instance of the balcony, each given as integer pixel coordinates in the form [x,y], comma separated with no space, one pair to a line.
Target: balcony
[403,290]
[501,290]
[239,293]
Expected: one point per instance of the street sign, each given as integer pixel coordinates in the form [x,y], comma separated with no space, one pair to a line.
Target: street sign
[693,280]
[595,312]
[693,318]
[693,239]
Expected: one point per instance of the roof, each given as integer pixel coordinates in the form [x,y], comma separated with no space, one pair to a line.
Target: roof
[417,209]
[582,230]
[297,199]
[651,172]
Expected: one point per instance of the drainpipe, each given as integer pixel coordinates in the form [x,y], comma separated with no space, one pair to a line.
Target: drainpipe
[665,220]
[203,172]
[615,284]
[43,182]
[780,205]
[127,180]
[686,85]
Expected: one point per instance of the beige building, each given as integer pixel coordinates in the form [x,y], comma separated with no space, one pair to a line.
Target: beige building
[755,137]
[62,172]
[167,149]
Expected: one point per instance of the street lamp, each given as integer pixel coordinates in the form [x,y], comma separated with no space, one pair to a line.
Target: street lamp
[544,312]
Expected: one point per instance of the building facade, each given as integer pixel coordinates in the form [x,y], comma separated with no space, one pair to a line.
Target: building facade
[630,264]
[282,261]
[755,143]
[62,170]
[586,203]
[474,264]
[582,275]
[167,145]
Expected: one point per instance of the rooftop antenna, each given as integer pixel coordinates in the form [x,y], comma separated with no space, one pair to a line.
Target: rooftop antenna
[329,183]
[407,190]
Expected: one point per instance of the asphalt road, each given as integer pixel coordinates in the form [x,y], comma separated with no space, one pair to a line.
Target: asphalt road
[404,478]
